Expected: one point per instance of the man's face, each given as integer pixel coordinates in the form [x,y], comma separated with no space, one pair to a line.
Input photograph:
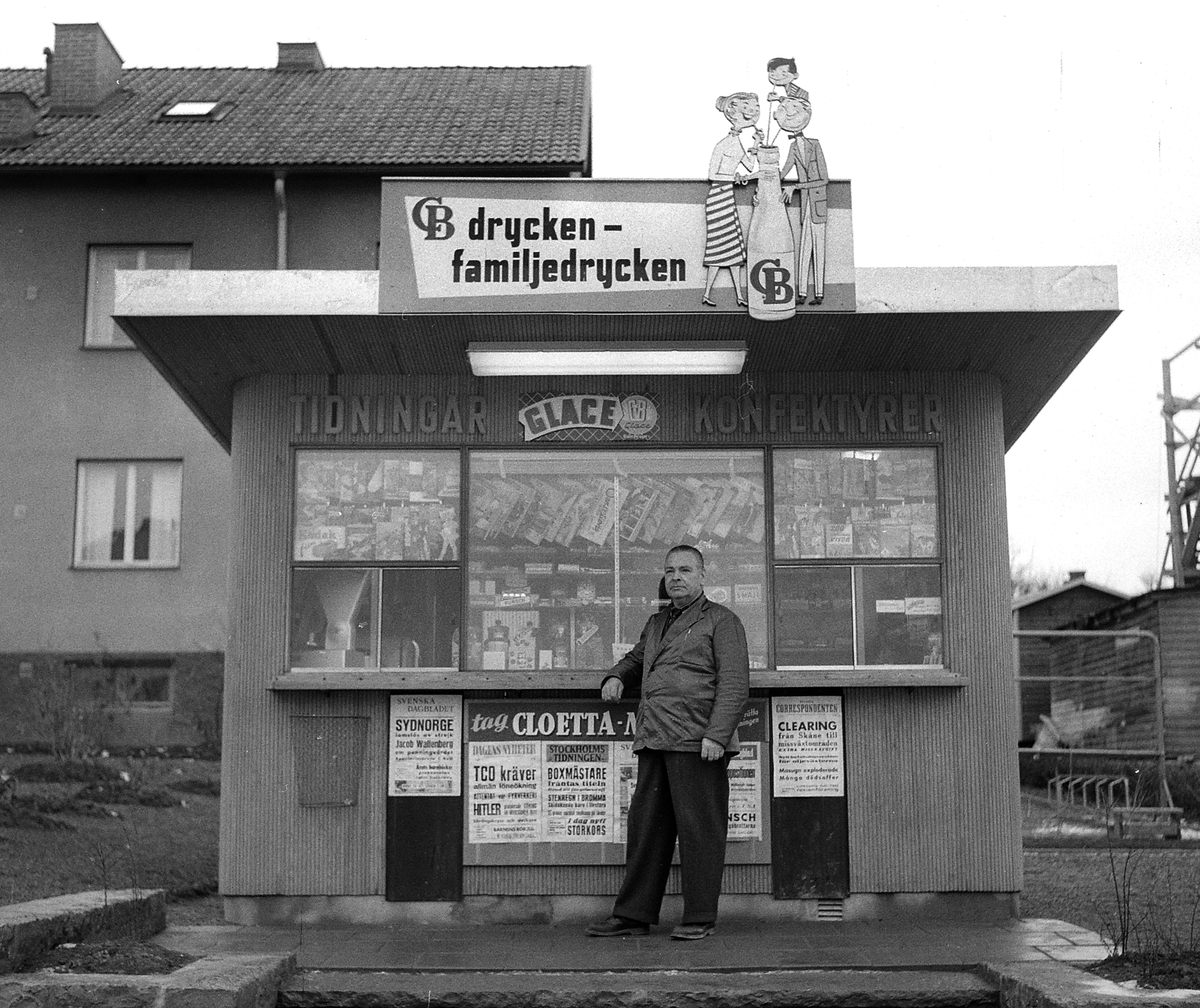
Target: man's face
[792,115]
[684,576]
[782,74]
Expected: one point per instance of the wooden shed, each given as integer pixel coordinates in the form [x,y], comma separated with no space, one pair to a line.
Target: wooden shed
[1128,722]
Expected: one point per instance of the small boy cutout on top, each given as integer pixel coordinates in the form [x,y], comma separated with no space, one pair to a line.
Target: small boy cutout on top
[781,72]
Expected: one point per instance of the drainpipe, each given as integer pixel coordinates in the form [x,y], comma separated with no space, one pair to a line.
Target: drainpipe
[281,256]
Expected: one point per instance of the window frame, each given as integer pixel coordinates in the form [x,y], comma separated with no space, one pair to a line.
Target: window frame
[78,551]
[855,564]
[91,322]
[464,676]
[377,568]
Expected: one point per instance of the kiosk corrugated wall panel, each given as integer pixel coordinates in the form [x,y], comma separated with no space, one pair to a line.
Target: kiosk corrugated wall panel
[945,817]
[269,843]
[931,773]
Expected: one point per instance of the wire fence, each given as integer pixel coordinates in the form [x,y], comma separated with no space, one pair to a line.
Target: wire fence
[1091,703]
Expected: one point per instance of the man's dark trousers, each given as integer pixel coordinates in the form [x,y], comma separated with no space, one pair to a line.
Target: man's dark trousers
[677,794]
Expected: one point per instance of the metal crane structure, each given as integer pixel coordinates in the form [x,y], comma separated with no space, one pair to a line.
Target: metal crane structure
[1181,562]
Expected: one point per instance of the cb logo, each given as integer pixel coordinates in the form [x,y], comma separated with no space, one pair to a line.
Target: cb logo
[433,218]
[771,281]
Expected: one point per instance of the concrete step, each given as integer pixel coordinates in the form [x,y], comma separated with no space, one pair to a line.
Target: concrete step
[807,988]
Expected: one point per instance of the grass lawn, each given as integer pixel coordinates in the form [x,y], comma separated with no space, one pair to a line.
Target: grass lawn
[175,848]
[172,848]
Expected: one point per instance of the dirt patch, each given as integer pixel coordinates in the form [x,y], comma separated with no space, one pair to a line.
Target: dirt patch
[64,771]
[1156,972]
[130,958]
[126,793]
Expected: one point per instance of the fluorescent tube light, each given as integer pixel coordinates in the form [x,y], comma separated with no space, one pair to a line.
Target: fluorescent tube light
[706,357]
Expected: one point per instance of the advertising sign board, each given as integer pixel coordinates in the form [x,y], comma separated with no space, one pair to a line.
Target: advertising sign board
[571,245]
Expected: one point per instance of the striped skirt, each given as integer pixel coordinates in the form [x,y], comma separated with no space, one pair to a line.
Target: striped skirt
[723,244]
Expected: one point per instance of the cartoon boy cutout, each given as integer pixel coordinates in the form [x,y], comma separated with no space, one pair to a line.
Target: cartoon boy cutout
[807,159]
[781,72]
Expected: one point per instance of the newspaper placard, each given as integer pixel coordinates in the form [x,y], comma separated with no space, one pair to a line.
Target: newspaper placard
[745,794]
[579,790]
[565,772]
[505,793]
[808,746]
[425,746]
[548,771]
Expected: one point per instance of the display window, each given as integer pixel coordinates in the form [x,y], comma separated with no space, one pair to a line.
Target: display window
[377,582]
[377,505]
[872,505]
[835,503]
[562,555]
[566,549]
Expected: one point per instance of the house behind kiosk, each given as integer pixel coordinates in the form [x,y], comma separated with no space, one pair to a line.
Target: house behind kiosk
[116,562]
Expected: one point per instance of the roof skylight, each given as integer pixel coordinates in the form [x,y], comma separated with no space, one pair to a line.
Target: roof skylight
[191,110]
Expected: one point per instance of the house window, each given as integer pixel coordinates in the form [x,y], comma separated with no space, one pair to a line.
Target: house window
[127,514]
[103,262]
[118,684]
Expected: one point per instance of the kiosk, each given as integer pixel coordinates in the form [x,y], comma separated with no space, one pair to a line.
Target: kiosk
[445,531]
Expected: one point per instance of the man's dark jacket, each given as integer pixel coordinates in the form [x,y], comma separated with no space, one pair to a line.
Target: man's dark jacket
[694,681]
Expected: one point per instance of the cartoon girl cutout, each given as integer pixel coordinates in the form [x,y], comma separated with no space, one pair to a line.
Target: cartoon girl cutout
[724,244]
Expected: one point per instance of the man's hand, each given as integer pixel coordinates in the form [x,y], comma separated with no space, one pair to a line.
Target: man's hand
[709,750]
[612,689]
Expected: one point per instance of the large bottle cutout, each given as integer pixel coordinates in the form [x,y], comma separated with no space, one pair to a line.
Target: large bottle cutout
[771,247]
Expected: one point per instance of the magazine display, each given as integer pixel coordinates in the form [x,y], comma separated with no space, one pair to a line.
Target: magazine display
[564,568]
[831,503]
[367,505]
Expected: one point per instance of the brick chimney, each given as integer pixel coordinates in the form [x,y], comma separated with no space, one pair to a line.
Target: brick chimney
[18,119]
[294,56]
[1076,575]
[86,69]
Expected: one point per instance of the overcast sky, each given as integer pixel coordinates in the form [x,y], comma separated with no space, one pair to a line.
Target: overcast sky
[1015,134]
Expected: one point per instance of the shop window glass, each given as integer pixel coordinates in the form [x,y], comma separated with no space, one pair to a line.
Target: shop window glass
[814,616]
[900,615]
[566,549]
[103,262]
[376,582]
[840,516]
[333,617]
[377,505]
[128,514]
[834,504]
[419,618]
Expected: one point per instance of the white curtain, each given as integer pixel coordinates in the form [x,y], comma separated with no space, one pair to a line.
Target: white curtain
[165,493]
[97,497]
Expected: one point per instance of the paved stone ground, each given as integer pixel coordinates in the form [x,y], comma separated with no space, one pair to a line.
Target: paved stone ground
[737,945]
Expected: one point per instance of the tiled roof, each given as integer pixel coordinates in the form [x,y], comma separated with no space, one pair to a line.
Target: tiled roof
[347,116]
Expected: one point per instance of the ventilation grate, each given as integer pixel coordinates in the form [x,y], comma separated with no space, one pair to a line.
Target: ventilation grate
[829,909]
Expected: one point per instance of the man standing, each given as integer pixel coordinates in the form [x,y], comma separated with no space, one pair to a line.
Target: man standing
[694,671]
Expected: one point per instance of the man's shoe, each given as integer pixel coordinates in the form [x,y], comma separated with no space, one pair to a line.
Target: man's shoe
[693,932]
[615,926]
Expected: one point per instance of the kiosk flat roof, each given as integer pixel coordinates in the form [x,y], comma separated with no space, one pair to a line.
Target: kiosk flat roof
[205,330]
